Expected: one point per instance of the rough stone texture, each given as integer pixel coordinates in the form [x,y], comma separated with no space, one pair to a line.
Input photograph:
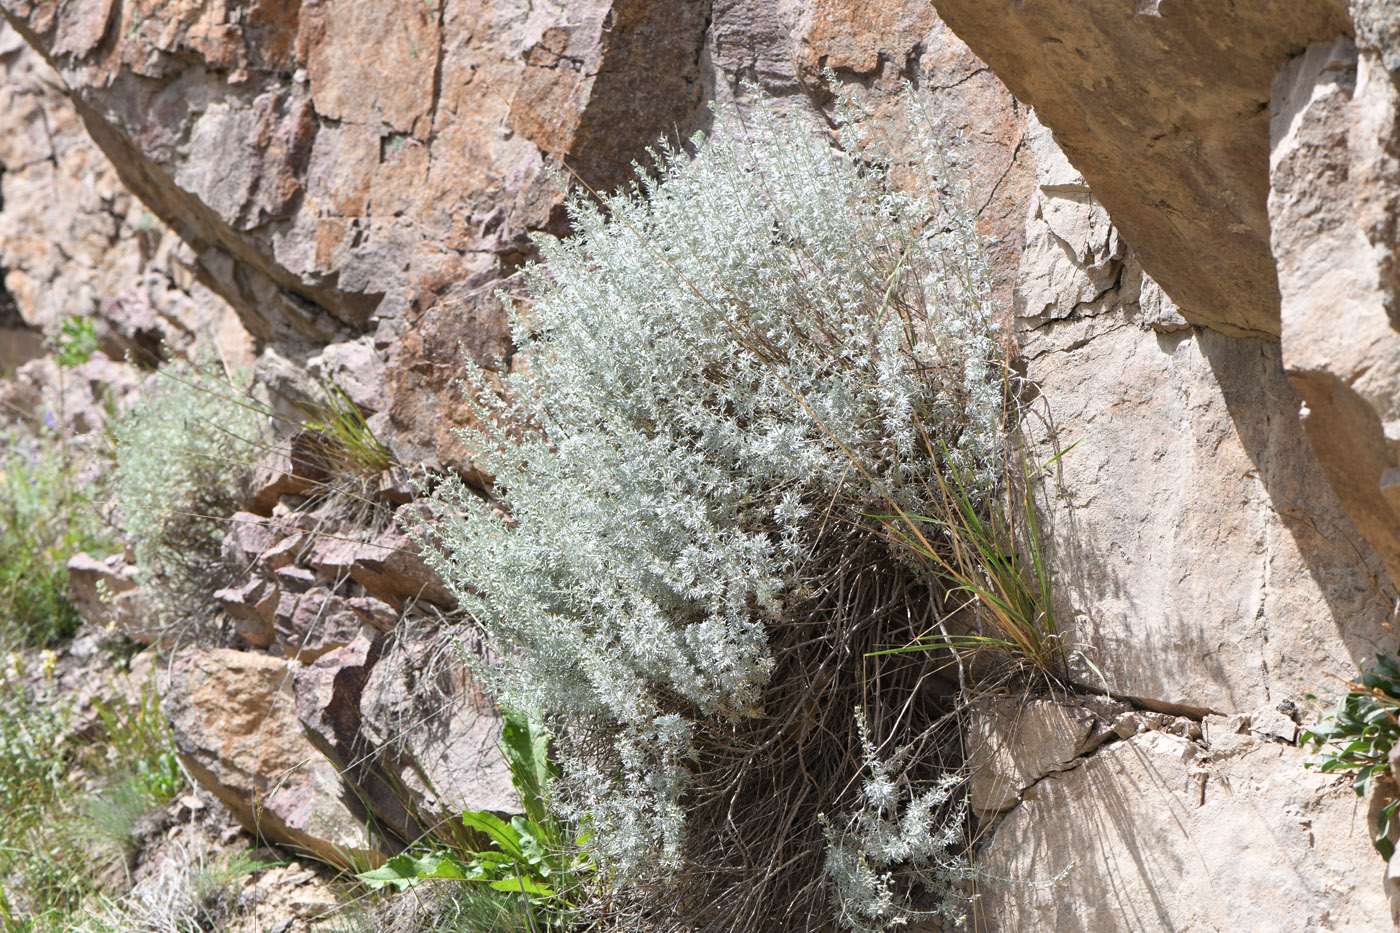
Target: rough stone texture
[1205,564]
[403,722]
[307,626]
[1335,212]
[1159,834]
[340,184]
[106,595]
[1164,106]
[1012,744]
[435,728]
[359,195]
[328,706]
[74,242]
[1201,552]
[236,729]
[390,568]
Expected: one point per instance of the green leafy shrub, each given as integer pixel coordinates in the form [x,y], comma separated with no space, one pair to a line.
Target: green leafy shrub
[76,341]
[44,520]
[180,452]
[731,367]
[1356,739]
[70,804]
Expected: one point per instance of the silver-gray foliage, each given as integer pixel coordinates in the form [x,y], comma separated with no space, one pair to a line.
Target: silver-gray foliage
[181,451]
[893,840]
[747,346]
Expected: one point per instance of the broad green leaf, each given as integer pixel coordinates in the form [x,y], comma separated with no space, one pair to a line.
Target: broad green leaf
[501,833]
[528,885]
[404,871]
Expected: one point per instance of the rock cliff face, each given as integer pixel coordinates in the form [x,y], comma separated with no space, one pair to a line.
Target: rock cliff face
[1195,237]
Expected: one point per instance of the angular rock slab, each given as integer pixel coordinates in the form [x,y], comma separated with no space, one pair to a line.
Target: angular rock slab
[437,728]
[235,726]
[1012,744]
[1163,106]
[1156,834]
[1334,210]
[407,725]
[1203,561]
[107,596]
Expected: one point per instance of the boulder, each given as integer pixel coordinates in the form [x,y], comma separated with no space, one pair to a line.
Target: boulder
[1164,107]
[234,721]
[79,244]
[285,470]
[1334,212]
[252,607]
[1192,524]
[328,694]
[391,568]
[248,539]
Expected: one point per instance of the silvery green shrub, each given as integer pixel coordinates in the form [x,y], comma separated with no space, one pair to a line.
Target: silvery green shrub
[745,347]
[181,450]
[890,836]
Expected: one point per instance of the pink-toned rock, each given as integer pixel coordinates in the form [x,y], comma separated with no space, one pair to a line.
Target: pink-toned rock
[283,553]
[252,607]
[372,191]
[390,568]
[234,722]
[107,596]
[328,696]
[378,614]
[435,729]
[76,242]
[248,539]
[295,468]
[308,625]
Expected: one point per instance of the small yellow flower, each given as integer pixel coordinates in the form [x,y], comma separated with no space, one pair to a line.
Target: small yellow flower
[48,663]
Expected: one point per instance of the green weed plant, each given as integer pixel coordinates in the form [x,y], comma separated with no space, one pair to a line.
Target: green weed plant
[44,520]
[1356,739]
[531,856]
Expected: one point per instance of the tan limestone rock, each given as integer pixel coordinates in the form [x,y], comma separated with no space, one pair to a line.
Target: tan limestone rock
[1163,106]
[1011,745]
[1157,834]
[1194,528]
[1334,207]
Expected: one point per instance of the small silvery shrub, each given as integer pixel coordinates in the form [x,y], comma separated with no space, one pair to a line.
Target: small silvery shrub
[892,841]
[732,367]
[180,452]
